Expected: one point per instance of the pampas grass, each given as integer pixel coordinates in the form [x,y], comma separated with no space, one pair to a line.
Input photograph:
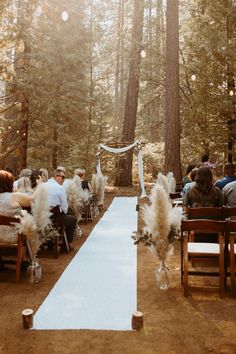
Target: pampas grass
[35,226]
[171,182]
[163,181]
[76,196]
[157,222]
[162,224]
[40,208]
[98,184]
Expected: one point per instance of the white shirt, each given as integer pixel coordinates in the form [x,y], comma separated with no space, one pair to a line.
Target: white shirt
[57,195]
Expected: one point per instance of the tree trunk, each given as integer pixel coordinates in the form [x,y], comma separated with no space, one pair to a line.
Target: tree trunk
[124,177]
[172,135]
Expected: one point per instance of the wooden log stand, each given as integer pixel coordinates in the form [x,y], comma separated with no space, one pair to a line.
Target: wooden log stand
[27,316]
[137,320]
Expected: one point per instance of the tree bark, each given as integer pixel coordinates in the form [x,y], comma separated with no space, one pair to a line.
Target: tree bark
[172,135]
[124,177]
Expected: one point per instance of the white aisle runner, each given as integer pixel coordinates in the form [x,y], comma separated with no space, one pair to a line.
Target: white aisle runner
[98,289]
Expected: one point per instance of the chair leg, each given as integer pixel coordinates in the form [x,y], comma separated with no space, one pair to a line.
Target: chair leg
[56,245]
[65,240]
[18,261]
[232,266]
[221,273]
[181,254]
[185,279]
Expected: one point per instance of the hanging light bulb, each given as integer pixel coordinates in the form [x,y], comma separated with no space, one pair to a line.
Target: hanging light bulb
[64,16]
[231,93]
[193,77]
[143,53]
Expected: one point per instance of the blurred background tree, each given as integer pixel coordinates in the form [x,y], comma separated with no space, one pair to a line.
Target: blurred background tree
[64,78]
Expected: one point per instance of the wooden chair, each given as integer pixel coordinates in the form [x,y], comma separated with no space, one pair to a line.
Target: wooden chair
[205,213]
[176,199]
[202,250]
[17,246]
[179,187]
[231,233]
[58,224]
[228,212]
[175,195]
[209,213]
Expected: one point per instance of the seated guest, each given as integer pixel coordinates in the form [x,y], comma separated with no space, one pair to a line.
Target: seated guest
[206,162]
[11,204]
[229,194]
[58,197]
[204,193]
[36,178]
[24,185]
[44,174]
[193,175]
[186,178]
[228,176]
[62,168]
[84,183]
[26,172]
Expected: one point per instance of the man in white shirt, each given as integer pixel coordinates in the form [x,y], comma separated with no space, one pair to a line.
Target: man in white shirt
[57,196]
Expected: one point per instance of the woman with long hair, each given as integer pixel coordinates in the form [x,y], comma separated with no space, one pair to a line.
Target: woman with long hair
[203,193]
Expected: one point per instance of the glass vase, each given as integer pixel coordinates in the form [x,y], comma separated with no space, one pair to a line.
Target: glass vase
[163,276]
[34,272]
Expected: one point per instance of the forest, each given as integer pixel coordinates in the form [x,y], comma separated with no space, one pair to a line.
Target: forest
[77,73]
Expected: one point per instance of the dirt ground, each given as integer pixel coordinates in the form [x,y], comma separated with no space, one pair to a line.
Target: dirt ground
[201,323]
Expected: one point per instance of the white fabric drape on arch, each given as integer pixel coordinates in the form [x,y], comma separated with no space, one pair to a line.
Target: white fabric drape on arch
[124,149]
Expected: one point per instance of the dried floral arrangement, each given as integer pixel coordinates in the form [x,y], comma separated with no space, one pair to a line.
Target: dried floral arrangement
[163,181]
[77,197]
[162,223]
[99,183]
[171,182]
[37,227]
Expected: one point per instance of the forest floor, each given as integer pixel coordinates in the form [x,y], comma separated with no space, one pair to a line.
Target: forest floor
[201,323]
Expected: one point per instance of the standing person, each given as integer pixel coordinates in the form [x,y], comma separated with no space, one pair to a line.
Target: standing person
[58,197]
[228,176]
[203,193]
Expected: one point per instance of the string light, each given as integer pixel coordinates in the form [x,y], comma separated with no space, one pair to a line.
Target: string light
[231,93]
[64,16]
[193,77]
[143,53]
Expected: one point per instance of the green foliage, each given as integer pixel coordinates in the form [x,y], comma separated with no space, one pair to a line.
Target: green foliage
[65,72]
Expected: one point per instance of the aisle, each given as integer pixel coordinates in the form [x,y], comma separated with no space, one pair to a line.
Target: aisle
[98,289]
